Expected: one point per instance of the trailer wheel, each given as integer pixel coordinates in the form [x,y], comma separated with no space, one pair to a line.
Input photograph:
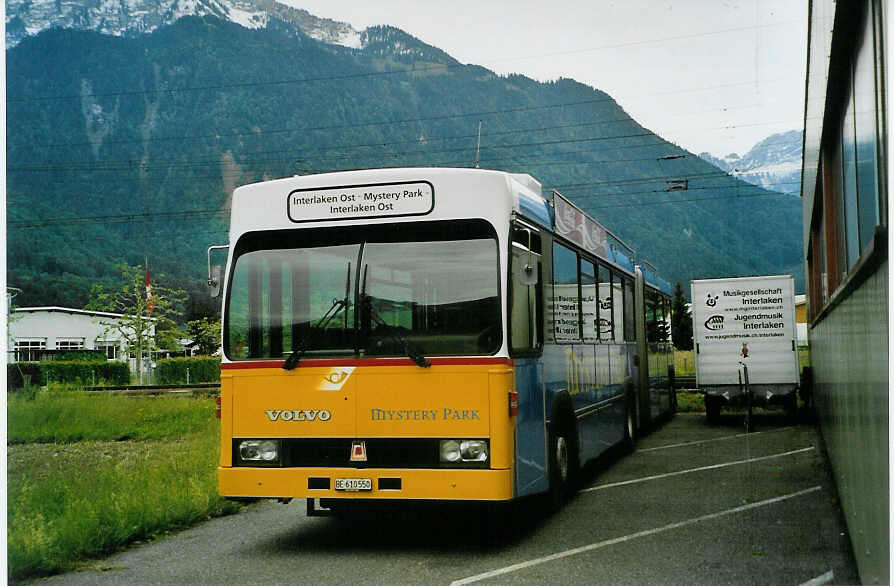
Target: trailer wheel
[791,407]
[712,409]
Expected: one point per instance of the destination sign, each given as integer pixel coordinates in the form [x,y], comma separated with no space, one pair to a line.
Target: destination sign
[357,202]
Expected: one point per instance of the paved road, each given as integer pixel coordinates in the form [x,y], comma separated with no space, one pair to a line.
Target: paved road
[693,504]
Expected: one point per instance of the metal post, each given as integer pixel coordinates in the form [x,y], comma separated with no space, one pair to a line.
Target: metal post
[748,422]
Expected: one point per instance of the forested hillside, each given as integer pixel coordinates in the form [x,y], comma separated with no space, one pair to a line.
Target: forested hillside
[123,148]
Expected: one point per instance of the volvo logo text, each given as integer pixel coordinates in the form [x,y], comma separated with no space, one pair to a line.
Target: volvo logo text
[299,415]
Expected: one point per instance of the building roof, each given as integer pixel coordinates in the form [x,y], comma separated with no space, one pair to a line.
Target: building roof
[57,309]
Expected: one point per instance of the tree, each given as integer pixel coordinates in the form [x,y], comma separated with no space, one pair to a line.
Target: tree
[681,321]
[148,312]
[205,333]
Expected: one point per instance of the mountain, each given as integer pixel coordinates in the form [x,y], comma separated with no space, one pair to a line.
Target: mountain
[774,163]
[127,146]
[134,17]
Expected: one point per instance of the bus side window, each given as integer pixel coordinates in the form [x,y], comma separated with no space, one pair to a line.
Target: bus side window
[606,317]
[629,319]
[589,300]
[618,313]
[525,292]
[566,295]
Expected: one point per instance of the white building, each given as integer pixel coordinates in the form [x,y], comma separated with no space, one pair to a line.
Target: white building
[35,332]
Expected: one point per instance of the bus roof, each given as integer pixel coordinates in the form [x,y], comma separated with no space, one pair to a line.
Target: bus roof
[387,195]
[397,194]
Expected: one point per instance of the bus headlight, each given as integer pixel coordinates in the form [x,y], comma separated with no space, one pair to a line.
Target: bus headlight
[450,451]
[259,451]
[453,451]
[473,450]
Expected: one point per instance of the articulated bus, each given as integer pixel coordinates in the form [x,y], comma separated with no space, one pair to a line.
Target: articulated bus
[429,334]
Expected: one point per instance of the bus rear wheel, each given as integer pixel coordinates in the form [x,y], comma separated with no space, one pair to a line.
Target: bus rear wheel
[630,426]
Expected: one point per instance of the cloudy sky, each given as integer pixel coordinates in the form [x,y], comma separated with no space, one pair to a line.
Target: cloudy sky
[709,75]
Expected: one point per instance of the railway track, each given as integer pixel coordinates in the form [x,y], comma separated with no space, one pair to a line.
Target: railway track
[150,390]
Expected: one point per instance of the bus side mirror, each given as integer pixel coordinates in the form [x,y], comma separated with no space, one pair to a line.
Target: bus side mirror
[527,272]
[214,281]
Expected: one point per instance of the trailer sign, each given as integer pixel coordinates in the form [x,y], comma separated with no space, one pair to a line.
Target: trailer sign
[747,313]
[745,319]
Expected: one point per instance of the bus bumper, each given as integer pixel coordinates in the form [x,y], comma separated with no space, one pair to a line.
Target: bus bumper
[447,484]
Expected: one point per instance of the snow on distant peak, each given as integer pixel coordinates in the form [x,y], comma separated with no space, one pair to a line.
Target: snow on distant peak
[351,39]
[774,163]
[248,18]
[26,18]
[334,33]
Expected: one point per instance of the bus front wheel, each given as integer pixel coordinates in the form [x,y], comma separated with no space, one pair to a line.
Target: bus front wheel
[563,461]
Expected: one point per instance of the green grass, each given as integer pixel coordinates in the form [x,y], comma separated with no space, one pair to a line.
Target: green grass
[71,416]
[68,502]
[684,363]
[690,402]
[803,357]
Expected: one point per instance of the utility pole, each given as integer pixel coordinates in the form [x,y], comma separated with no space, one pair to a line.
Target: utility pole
[478,148]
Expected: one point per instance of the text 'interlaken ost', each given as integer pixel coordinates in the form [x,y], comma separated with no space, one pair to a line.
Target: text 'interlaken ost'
[346,203]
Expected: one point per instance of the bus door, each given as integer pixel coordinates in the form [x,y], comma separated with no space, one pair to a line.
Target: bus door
[526,345]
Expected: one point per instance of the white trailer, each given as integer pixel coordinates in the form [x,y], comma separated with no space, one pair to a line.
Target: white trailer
[744,330]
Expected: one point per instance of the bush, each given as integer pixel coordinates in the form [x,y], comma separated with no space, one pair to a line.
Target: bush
[690,402]
[85,372]
[82,372]
[202,369]
[91,355]
[16,372]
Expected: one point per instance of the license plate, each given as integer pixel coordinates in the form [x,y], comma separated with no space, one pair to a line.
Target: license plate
[353,484]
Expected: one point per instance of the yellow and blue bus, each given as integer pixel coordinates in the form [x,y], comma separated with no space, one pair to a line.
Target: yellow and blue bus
[429,334]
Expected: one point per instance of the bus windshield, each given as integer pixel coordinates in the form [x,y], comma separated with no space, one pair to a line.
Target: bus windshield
[370,291]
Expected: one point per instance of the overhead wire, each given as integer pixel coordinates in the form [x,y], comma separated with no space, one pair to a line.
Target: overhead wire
[372,74]
[396,142]
[520,159]
[159,215]
[131,164]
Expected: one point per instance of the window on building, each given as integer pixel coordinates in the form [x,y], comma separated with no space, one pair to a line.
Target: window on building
[866,132]
[30,350]
[850,223]
[849,205]
[69,343]
[816,266]
[111,349]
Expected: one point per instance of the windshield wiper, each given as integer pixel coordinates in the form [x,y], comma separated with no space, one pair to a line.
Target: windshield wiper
[337,305]
[395,333]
